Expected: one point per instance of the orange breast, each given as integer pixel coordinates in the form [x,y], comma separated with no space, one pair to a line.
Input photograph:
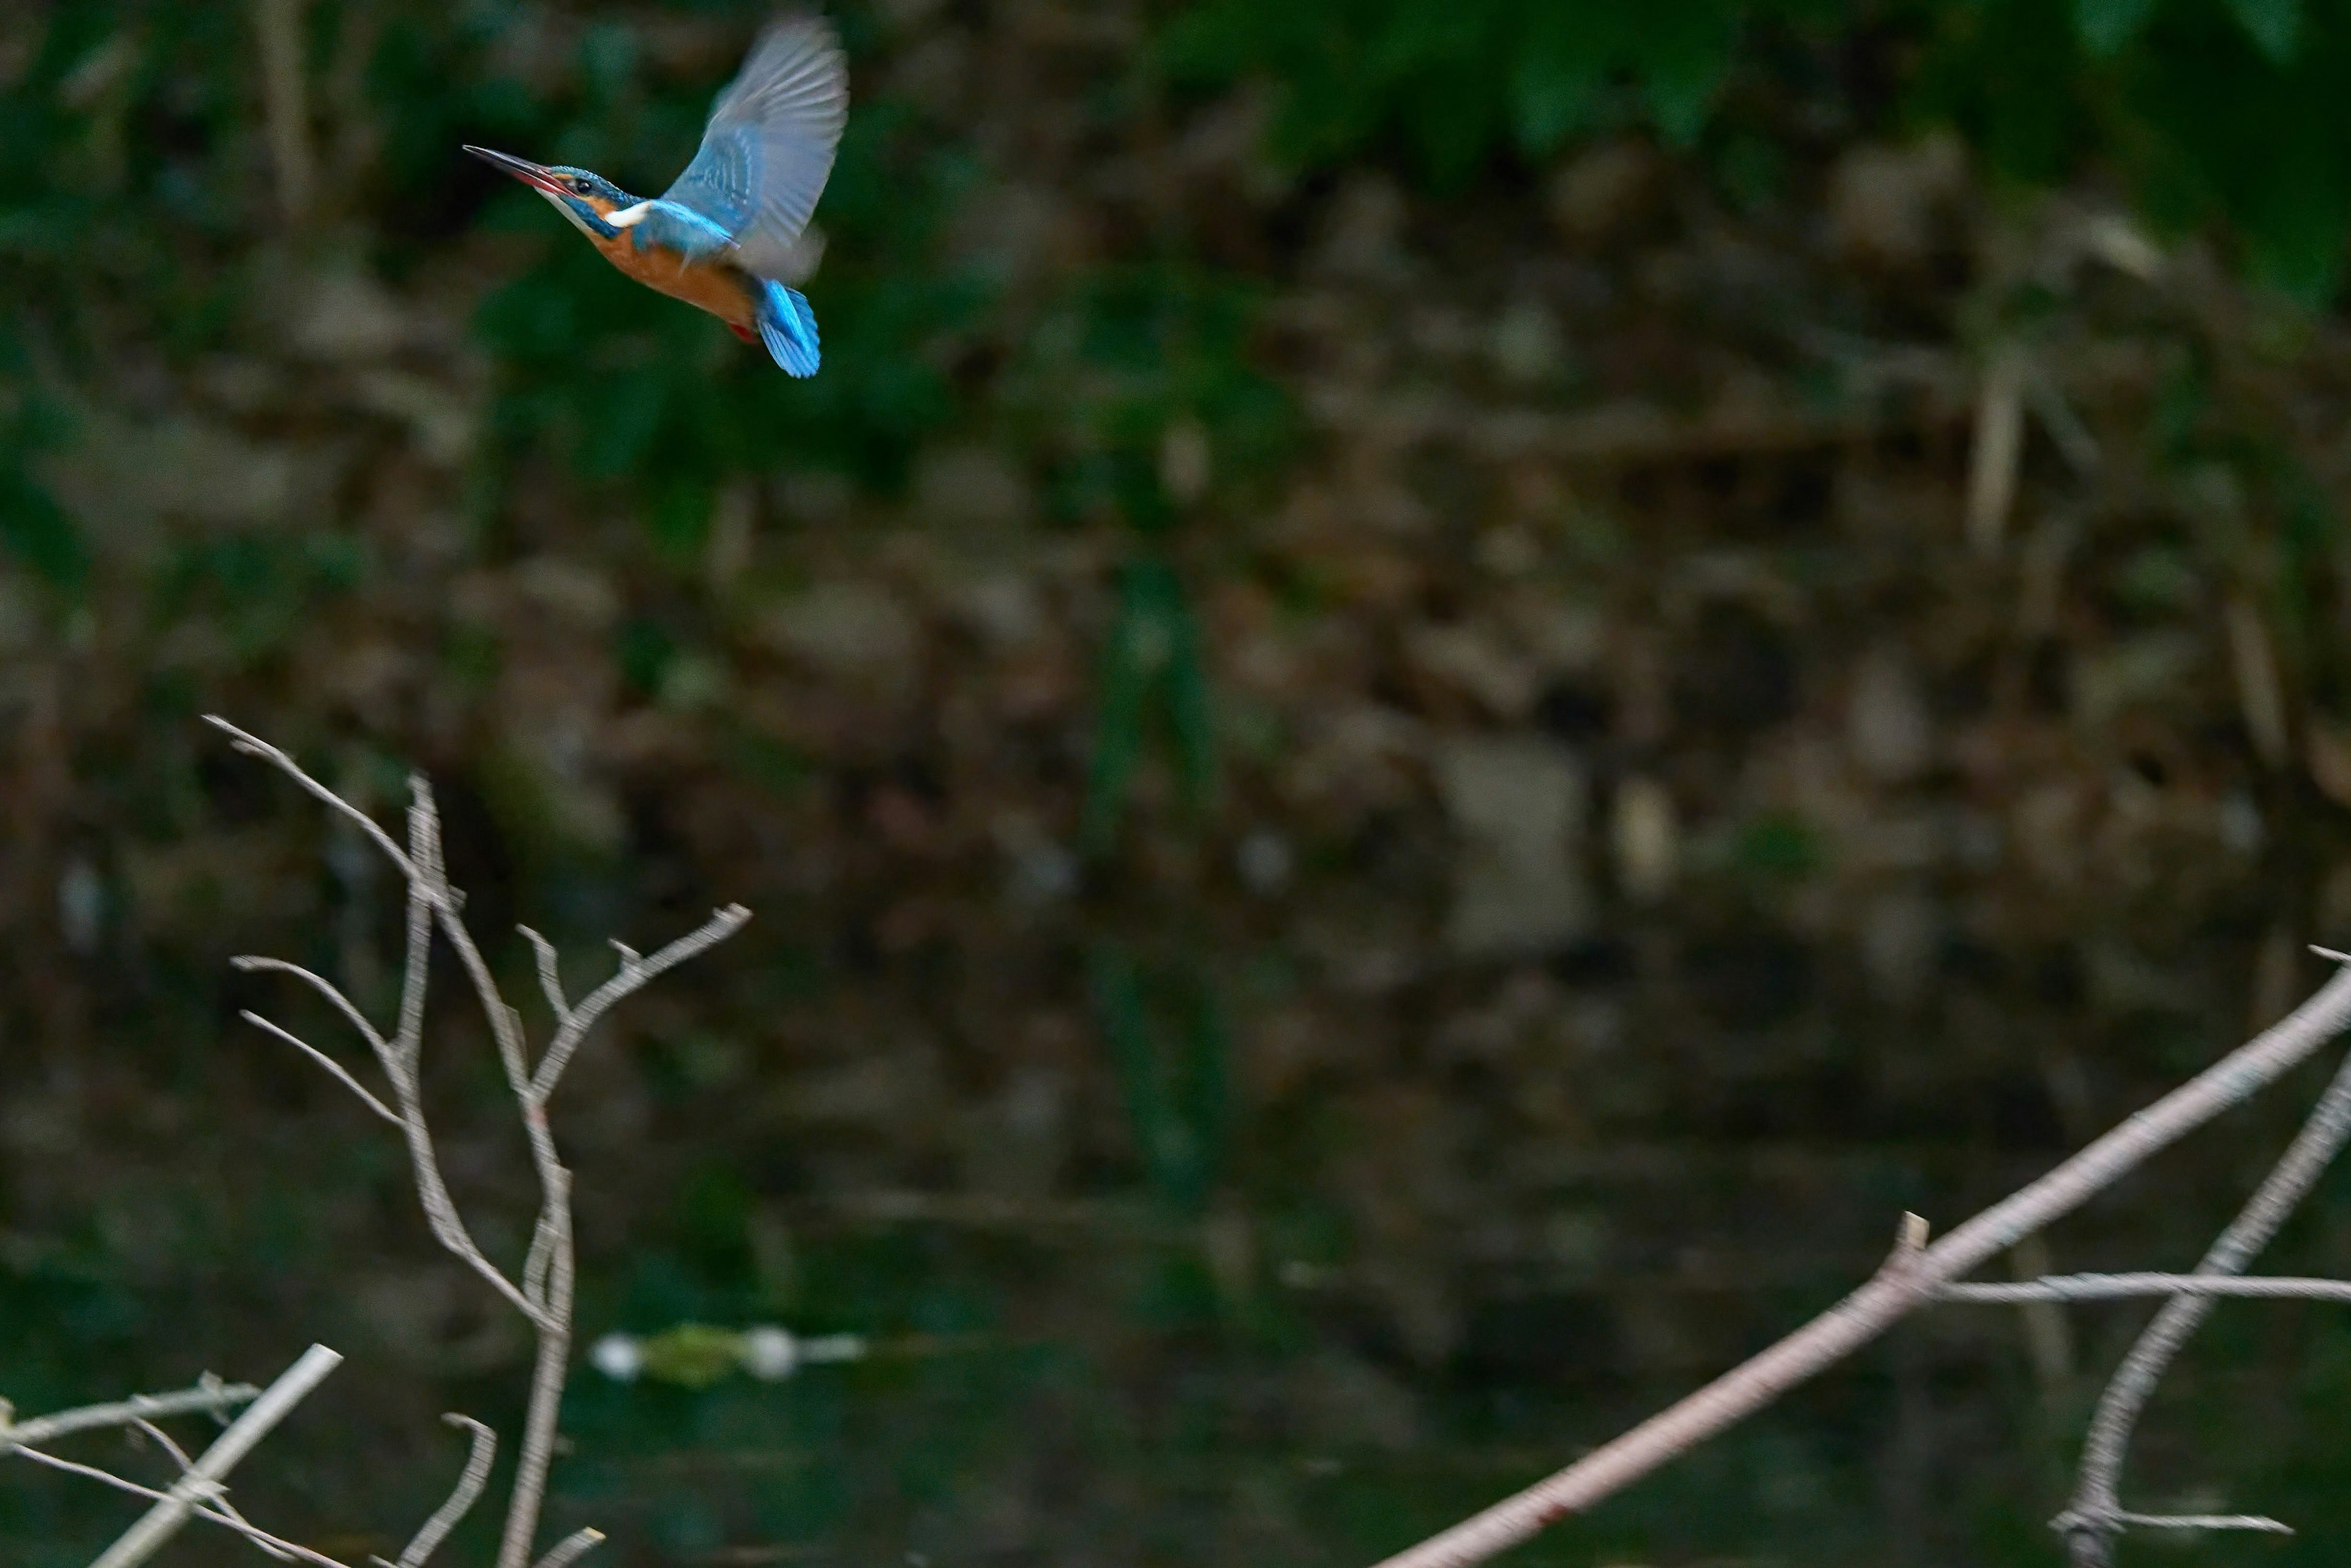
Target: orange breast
[714,287]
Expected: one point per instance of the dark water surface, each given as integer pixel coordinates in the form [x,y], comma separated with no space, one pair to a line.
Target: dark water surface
[1229,1232]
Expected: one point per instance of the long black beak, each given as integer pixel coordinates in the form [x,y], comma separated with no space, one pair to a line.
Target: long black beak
[535,175]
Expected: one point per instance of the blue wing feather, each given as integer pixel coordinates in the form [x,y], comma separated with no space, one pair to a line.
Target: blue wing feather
[769,149]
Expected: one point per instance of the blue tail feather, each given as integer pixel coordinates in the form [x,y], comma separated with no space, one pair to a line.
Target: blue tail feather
[787,326]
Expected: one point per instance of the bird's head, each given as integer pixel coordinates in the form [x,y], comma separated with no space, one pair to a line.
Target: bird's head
[587,199]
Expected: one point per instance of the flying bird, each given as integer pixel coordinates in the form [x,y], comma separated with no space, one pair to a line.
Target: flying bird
[722,236]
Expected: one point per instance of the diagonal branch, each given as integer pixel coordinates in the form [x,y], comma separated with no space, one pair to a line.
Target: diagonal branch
[1885,1300]
[2092,1520]
[571,1548]
[276,1545]
[323,1059]
[253,747]
[162,1440]
[203,1479]
[318,983]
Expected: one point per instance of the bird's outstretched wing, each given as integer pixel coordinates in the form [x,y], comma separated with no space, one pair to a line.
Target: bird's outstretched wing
[768,148]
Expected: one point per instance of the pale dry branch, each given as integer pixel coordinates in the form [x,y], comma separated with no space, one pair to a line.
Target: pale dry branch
[206,1511]
[204,1479]
[124,1412]
[571,1548]
[1894,1291]
[634,974]
[253,747]
[545,1294]
[2128,1286]
[340,1072]
[2093,1517]
[2254,1521]
[179,1456]
[462,1496]
[550,981]
[251,964]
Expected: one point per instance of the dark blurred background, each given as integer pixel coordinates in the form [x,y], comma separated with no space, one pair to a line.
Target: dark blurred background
[1435,696]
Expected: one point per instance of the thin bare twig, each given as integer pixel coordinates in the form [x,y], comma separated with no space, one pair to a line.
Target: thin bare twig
[552,1366]
[445,1518]
[2092,1520]
[571,1548]
[203,1481]
[336,1068]
[545,1295]
[253,747]
[1885,1300]
[550,981]
[206,1511]
[318,983]
[2126,1287]
[2255,1521]
[124,1412]
[634,974]
[162,1440]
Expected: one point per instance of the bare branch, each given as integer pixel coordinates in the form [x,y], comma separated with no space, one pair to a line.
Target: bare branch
[162,1440]
[424,850]
[253,747]
[552,1366]
[323,1059]
[206,1511]
[634,974]
[2069,1521]
[545,1295]
[1870,1311]
[2090,1537]
[2121,1286]
[571,1548]
[122,1412]
[551,980]
[462,1496]
[343,1004]
[506,1026]
[535,1266]
[200,1483]
[440,1214]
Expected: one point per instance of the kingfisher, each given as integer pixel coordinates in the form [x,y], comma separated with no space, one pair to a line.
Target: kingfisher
[723,236]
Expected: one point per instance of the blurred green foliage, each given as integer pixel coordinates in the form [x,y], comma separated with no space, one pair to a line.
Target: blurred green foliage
[2211,109]
[130,200]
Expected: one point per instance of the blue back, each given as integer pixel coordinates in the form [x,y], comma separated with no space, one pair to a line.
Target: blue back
[765,154]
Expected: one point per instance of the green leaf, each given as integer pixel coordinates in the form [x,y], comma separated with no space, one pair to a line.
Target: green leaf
[2105,25]
[2274,24]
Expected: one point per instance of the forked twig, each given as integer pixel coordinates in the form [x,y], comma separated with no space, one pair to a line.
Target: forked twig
[544,1296]
[1896,1292]
[208,1512]
[201,1483]
[2094,1517]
